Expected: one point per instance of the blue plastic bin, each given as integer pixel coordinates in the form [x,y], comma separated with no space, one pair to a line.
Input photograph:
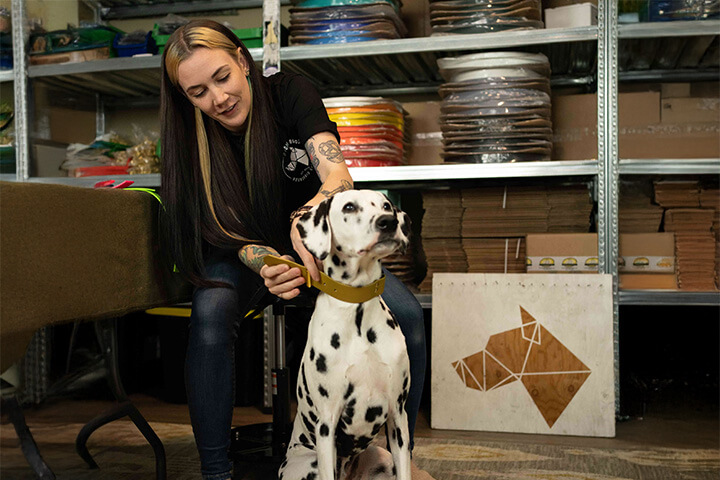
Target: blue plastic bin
[148,46]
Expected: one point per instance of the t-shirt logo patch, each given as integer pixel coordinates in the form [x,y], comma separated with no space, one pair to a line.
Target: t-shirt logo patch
[296,161]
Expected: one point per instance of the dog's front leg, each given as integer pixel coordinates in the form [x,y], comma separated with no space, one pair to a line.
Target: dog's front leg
[400,443]
[325,445]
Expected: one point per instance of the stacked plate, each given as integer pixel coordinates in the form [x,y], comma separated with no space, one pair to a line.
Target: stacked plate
[372,130]
[314,22]
[484,16]
[495,107]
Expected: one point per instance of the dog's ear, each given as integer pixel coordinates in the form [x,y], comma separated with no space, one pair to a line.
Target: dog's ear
[315,230]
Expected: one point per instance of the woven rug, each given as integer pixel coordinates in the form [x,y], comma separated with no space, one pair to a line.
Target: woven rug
[123,454]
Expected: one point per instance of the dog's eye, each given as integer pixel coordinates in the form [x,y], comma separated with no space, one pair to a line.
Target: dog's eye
[387,207]
[348,208]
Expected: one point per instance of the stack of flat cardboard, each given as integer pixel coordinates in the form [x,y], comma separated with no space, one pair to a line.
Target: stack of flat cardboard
[638,214]
[671,194]
[441,234]
[495,255]
[710,198]
[647,261]
[695,247]
[570,208]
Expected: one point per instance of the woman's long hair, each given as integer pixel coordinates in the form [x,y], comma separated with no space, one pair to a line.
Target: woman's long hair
[206,195]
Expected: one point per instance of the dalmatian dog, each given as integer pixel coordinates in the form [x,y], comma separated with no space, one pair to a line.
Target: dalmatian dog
[354,375]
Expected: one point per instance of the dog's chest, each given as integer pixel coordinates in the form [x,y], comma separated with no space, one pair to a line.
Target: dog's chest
[354,369]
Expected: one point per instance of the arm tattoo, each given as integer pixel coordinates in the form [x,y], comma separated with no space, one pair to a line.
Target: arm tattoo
[252,256]
[313,156]
[344,185]
[331,150]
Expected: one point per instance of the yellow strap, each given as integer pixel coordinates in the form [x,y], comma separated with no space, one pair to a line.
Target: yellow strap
[335,289]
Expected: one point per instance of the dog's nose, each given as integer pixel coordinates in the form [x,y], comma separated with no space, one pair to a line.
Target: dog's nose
[386,223]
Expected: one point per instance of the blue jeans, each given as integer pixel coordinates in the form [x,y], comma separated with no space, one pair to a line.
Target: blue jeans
[209,370]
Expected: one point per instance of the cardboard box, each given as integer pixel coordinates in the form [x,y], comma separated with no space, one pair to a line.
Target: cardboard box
[647,281]
[690,110]
[641,134]
[675,90]
[425,135]
[578,15]
[563,3]
[47,158]
[647,253]
[562,253]
[416,16]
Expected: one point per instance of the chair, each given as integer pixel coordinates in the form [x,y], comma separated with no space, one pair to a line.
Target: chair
[78,254]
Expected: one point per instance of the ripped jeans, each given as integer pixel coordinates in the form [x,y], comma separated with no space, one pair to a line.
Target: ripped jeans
[217,315]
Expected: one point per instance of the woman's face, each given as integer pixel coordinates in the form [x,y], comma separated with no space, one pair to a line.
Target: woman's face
[216,83]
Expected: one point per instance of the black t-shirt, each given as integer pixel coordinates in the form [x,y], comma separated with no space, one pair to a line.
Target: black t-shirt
[300,114]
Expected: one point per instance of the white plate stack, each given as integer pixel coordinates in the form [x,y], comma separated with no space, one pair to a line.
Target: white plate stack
[496,107]
[449,17]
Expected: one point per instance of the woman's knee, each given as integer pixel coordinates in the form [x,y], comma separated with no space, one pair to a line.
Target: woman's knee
[214,314]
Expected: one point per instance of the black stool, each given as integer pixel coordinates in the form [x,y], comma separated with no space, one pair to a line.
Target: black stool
[258,450]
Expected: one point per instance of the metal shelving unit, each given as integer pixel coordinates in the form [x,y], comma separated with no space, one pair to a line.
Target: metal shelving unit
[660,297]
[7,75]
[409,66]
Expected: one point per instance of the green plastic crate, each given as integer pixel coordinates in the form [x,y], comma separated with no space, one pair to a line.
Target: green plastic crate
[251,37]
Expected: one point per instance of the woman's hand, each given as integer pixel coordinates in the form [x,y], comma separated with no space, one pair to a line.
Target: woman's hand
[311,263]
[282,280]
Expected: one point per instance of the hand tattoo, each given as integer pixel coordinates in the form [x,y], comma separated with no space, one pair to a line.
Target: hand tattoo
[344,185]
[331,150]
[252,256]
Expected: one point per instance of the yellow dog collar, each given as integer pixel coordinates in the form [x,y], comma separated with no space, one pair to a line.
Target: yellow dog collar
[335,289]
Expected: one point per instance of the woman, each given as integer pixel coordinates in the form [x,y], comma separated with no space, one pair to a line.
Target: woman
[243,156]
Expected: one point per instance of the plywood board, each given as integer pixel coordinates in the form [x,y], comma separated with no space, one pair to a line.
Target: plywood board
[523,353]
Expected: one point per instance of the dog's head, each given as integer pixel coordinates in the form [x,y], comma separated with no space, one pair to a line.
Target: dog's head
[355,223]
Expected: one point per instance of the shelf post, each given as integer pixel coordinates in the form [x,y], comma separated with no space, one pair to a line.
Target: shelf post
[22,148]
[271,37]
[608,164]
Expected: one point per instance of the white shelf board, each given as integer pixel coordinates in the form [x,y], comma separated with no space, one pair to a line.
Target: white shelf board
[669,29]
[479,41]
[410,173]
[664,166]
[667,297]
[151,180]
[7,75]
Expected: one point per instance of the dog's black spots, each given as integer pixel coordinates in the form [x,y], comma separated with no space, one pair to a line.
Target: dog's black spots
[345,276]
[339,248]
[380,469]
[405,383]
[301,231]
[313,417]
[390,323]
[371,335]
[376,428]
[335,341]
[362,443]
[399,437]
[304,378]
[349,391]
[323,392]
[405,224]
[309,400]
[324,430]
[349,412]
[321,212]
[402,398]
[358,319]
[310,476]
[343,264]
[382,305]
[320,364]
[392,317]
[325,226]
[308,424]
[394,471]
[330,272]
[305,440]
[372,413]
[300,394]
[312,354]
[322,256]
[372,203]
[336,260]
[314,464]
[306,216]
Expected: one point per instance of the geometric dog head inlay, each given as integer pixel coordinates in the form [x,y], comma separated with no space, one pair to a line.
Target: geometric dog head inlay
[551,373]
